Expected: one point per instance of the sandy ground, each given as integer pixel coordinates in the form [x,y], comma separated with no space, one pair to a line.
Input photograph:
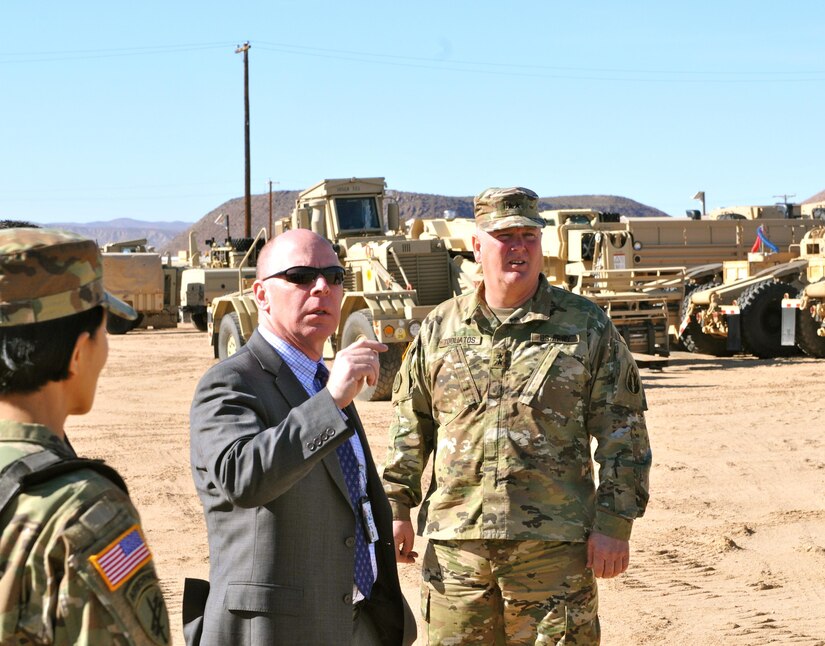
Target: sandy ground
[731,550]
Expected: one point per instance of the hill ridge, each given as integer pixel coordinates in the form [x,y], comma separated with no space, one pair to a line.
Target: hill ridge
[410,205]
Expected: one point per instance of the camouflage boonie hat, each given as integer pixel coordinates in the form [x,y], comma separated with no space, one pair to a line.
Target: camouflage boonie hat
[504,208]
[46,274]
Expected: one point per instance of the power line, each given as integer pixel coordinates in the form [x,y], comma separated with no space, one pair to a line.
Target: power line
[528,70]
[86,54]
[380,56]
[543,71]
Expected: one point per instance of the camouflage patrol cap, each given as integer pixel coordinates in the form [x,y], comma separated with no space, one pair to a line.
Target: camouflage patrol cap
[46,274]
[504,208]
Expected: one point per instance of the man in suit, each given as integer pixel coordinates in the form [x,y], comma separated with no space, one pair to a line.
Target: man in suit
[300,531]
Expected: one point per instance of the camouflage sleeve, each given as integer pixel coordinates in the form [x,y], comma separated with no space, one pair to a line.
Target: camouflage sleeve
[88,578]
[616,420]
[411,433]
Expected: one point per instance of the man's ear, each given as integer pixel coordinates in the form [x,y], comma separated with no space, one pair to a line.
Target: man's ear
[476,248]
[261,296]
[81,346]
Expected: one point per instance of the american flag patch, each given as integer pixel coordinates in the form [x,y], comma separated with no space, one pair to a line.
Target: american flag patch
[122,558]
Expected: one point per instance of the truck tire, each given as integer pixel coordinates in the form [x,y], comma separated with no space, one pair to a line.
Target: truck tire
[359,326]
[761,309]
[115,325]
[199,320]
[230,339]
[693,339]
[806,337]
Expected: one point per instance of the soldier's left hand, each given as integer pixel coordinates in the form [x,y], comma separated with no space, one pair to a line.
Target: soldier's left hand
[607,556]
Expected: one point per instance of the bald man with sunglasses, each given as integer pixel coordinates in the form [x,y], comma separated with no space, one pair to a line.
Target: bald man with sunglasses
[300,530]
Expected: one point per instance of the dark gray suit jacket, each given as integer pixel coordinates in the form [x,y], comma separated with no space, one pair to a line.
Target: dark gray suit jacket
[280,523]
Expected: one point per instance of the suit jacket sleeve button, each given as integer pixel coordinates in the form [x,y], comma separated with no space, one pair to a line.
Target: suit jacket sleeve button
[350,542]
[310,446]
[347,598]
[331,432]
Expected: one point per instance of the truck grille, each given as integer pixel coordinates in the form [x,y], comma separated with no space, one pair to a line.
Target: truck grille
[428,274]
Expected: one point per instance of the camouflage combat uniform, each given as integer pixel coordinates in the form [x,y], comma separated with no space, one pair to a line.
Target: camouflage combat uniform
[74,564]
[53,587]
[508,410]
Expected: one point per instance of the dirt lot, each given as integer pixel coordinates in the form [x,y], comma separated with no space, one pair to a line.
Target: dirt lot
[731,551]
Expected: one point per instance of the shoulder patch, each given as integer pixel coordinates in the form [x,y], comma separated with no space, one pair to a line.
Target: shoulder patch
[121,559]
[633,383]
[145,597]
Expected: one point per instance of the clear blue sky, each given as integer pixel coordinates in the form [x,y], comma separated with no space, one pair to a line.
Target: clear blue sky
[114,109]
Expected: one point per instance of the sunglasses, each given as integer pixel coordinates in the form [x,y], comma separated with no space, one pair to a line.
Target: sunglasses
[308,275]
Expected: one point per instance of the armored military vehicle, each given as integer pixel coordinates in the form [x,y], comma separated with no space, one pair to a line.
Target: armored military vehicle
[698,244]
[746,312]
[138,275]
[391,283]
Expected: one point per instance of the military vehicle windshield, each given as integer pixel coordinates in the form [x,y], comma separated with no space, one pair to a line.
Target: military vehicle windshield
[357,213]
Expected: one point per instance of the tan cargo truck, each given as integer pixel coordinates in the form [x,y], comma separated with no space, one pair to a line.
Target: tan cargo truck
[698,244]
[216,274]
[139,276]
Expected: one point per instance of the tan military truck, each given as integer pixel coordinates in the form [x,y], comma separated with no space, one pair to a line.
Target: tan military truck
[698,244]
[392,281]
[216,274]
[803,318]
[138,275]
[743,313]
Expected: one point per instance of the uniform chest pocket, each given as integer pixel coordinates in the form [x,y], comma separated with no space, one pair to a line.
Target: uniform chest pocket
[455,389]
[558,386]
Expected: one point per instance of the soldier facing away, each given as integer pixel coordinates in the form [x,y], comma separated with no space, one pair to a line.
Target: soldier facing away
[74,564]
[505,388]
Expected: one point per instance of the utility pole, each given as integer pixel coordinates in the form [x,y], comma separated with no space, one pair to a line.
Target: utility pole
[785,197]
[270,232]
[248,181]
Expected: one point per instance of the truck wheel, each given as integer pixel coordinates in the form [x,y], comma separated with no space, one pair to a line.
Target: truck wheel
[199,320]
[806,337]
[693,339]
[116,325]
[229,336]
[359,326]
[761,310]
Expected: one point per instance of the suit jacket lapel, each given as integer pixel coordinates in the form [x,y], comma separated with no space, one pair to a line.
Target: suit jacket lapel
[292,390]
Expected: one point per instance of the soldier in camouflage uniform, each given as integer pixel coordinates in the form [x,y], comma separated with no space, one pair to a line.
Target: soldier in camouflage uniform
[506,387]
[74,564]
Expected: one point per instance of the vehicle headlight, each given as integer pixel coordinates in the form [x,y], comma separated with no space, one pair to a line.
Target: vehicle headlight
[415,328]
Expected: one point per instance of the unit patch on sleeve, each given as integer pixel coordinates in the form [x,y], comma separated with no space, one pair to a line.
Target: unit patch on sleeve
[632,382]
[122,558]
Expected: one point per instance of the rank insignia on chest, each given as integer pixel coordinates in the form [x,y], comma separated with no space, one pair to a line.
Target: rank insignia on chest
[459,340]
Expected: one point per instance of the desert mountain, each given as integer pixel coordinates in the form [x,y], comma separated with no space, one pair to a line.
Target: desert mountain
[411,205]
[157,234]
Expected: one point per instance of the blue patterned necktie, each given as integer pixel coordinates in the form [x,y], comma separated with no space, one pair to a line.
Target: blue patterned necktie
[364,576]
